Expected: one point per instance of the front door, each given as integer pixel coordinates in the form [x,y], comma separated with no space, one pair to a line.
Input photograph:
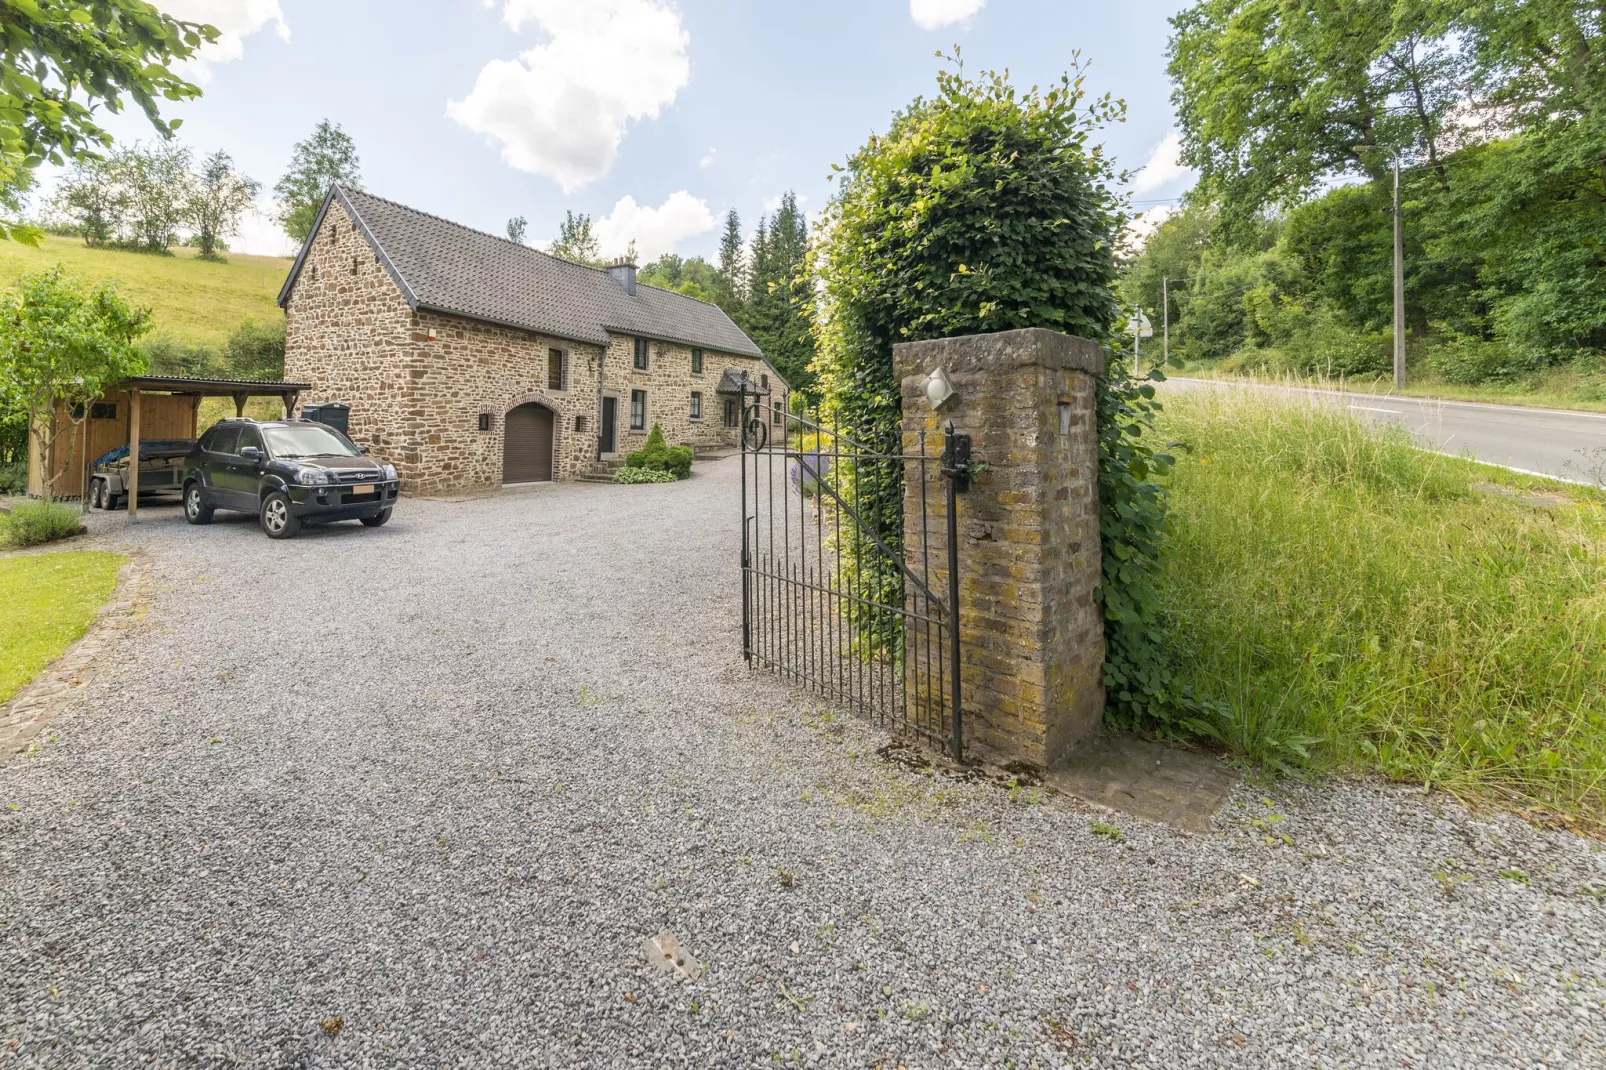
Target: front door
[527,445]
[608,441]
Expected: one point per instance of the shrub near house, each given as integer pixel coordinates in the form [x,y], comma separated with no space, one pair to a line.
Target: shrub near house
[657,457]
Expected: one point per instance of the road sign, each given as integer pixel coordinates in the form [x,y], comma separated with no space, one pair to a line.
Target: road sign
[1139,325]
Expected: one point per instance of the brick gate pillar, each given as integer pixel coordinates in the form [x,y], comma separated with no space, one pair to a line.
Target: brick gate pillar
[1031,633]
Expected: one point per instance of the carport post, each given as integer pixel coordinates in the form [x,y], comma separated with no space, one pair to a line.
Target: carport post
[239,405]
[133,453]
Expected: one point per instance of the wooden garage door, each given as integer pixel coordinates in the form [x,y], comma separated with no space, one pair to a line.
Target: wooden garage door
[527,445]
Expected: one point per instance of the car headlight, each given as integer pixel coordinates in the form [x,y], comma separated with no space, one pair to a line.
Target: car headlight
[390,471]
[311,477]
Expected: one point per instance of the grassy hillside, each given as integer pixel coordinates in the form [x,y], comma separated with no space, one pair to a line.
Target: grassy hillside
[193,300]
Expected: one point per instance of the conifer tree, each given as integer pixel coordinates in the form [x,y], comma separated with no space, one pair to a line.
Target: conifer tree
[778,311]
[732,266]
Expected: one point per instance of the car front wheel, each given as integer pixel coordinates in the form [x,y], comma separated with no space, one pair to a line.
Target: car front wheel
[196,511]
[378,521]
[278,522]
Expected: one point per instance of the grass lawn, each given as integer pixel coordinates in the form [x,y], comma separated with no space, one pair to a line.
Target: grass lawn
[50,600]
[1554,389]
[1347,601]
[192,300]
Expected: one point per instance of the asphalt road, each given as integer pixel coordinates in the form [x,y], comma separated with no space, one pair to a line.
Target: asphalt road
[1567,445]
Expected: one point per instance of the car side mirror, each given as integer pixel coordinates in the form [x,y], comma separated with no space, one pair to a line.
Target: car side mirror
[363,450]
[251,455]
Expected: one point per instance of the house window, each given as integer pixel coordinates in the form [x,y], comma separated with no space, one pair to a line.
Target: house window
[99,410]
[697,362]
[638,410]
[731,414]
[765,380]
[579,424]
[554,369]
[641,354]
[777,414]
[696,405]
[485,421]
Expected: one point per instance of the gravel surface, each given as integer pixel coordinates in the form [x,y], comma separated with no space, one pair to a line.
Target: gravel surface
[416,796]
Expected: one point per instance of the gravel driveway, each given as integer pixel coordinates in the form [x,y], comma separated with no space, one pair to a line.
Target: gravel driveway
[415,797]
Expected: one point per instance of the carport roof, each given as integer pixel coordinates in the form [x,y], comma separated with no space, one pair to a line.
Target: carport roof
[179,384]
[445,267]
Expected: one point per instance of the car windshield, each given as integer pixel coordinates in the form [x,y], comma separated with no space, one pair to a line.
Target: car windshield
[307,441]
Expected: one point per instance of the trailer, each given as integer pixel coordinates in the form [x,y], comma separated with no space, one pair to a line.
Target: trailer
[161,471]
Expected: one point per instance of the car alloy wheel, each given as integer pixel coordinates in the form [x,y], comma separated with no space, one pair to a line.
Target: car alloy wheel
[196,511]
[278,520]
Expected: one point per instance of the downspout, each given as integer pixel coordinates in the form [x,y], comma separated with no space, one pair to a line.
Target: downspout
[602,368]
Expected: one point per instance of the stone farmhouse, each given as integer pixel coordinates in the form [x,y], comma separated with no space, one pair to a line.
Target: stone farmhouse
[472,361]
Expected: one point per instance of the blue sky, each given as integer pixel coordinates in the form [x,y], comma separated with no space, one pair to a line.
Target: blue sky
[654,116]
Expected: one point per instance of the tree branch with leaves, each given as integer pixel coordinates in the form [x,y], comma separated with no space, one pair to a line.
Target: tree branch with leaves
[62,62]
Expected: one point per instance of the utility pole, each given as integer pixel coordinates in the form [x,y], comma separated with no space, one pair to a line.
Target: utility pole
[1399,284]
[1165,321]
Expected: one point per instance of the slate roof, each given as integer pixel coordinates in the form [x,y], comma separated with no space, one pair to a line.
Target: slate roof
[445,267]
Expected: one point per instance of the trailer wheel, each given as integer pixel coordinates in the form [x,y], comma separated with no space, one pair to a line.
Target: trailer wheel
[99,494]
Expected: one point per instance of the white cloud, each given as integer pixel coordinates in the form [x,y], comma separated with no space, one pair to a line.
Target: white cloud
[1139,229]
[1163,167]
[261,235]
[654,230]
[935,14]
[235,19]
[561,109]
[708,160]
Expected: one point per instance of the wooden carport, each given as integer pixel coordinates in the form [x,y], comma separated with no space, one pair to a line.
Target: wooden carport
[116,419]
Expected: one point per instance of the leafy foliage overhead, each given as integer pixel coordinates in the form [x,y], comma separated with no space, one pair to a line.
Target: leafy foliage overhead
[62,60]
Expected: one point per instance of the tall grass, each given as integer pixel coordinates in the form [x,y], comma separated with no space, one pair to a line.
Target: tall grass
[1345,600]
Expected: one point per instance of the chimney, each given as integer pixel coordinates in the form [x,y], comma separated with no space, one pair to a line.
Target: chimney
[624,273]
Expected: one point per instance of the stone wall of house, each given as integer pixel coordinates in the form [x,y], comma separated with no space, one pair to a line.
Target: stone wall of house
[669,383]
[349,332]
[471,368]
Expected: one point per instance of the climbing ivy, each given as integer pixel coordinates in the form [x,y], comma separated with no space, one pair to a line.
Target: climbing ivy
[987,208]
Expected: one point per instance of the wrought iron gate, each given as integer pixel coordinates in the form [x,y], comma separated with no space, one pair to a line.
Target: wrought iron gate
[840,589]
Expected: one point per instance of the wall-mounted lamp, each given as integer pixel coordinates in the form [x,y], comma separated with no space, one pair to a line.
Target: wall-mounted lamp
[938,388]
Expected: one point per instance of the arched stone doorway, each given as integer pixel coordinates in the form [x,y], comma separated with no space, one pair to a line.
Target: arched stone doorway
[528,442]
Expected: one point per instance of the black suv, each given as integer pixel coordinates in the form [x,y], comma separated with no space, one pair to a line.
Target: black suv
[287,472]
